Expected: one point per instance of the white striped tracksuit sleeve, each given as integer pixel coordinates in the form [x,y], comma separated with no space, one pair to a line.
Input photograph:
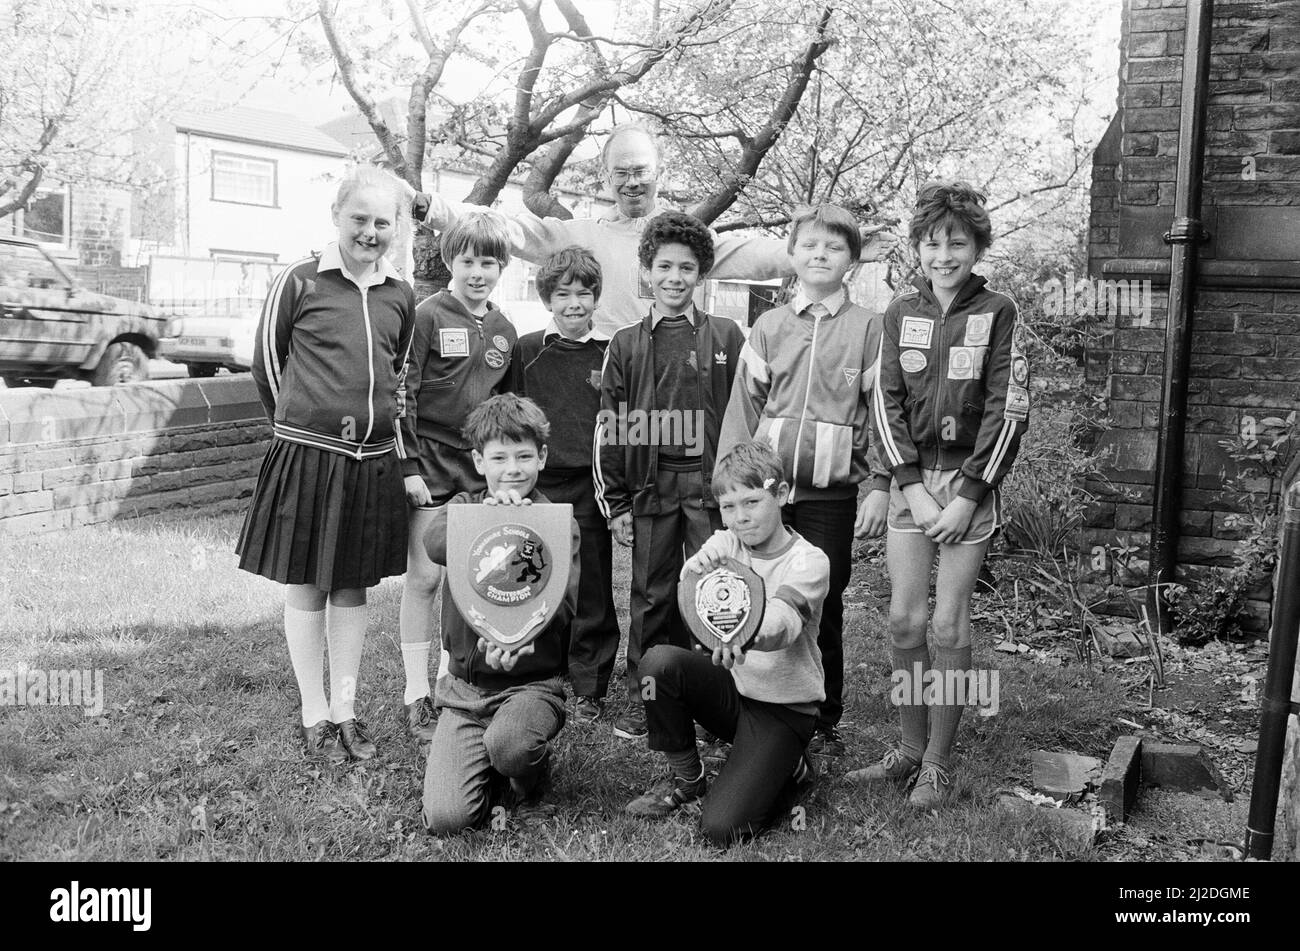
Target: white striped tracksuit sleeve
[271,349]
[1001,426]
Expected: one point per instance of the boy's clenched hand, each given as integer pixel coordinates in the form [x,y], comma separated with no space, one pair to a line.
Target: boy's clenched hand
[721,545]
[873,515]
[925,510]
[417,493]
[950,527]
[621,528]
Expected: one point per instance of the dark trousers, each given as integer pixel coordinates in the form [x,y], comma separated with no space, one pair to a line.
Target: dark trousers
[756,786]
[828,524]
[593,634]
[660,545]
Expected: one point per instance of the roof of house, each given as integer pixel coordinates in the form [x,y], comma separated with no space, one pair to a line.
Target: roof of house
[352,129]
[259,127]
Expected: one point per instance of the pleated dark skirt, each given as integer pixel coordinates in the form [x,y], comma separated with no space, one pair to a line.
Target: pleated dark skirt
[325,519]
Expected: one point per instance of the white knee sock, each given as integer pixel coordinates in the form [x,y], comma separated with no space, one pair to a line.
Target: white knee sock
[305,633]
[347,635]
[415,660]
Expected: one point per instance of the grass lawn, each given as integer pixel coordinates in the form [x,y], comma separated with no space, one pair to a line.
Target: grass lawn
[196,754]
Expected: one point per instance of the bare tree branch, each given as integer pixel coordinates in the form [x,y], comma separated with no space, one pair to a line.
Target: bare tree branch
[526,132]
[741,223]
[537,186]
[418,104]
[752,154]
[347,72]
[25,193]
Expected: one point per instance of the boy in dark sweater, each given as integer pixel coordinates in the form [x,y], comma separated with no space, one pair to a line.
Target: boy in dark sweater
[559,368]
[664,390]
[499,709]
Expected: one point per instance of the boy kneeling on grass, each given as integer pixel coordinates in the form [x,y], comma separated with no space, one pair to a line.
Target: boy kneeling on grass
[763,700]
[499,709]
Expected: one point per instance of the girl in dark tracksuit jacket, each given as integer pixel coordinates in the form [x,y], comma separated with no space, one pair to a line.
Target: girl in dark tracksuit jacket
[328,516]
[949,407]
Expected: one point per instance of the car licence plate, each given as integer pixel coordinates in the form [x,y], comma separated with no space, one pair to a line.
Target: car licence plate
[202,343]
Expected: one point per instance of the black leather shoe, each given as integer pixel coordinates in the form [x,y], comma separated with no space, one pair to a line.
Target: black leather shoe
[421,719]
[322,743]
[827,741]
[357,739]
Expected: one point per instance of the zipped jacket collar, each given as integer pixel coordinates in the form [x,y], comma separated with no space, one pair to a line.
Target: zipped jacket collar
[968,291]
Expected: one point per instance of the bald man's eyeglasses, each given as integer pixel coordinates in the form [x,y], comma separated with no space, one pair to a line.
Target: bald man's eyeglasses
[621,176]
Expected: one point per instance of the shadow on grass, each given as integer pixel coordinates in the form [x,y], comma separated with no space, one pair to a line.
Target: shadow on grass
[195,755]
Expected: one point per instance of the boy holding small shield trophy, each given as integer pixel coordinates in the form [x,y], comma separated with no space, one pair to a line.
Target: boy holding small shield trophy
[752,595]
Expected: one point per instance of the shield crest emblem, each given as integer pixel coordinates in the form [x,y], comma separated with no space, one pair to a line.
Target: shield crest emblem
[508,567]
[723,607]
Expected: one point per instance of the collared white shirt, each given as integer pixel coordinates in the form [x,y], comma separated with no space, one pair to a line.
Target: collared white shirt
[655,317]
[553,330]
[832,303]
[331,259]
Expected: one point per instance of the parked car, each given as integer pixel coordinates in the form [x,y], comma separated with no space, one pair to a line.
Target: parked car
[218,334]
[52,329]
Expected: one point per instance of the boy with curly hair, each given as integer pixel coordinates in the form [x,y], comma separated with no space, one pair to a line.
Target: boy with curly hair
[664,390]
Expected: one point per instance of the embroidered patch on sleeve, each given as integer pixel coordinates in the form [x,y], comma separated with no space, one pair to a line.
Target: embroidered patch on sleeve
[1019,371]
[850,374]
[912,361]
[916,332]
[978,328]
[1017,404]
[454,342]
[1019,338]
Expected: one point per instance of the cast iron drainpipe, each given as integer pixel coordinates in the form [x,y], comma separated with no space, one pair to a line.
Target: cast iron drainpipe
[1184,236]
[1277,704]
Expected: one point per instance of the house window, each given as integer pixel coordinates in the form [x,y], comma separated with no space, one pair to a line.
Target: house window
[243,179]
[45,219]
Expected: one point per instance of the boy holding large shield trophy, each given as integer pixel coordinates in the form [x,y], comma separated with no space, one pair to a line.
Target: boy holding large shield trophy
[510,590]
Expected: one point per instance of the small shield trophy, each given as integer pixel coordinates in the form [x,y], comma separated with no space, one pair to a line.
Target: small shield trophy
[723,607]
[508,567]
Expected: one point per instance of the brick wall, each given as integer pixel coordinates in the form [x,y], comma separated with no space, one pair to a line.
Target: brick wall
[99,226]
[1246,326]
[77,457]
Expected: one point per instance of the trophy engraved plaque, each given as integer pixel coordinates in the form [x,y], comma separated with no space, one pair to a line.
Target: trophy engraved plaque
[722,607]
[508,567]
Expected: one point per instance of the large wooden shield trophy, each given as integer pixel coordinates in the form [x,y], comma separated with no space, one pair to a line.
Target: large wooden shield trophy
[723,607]
[508,567]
